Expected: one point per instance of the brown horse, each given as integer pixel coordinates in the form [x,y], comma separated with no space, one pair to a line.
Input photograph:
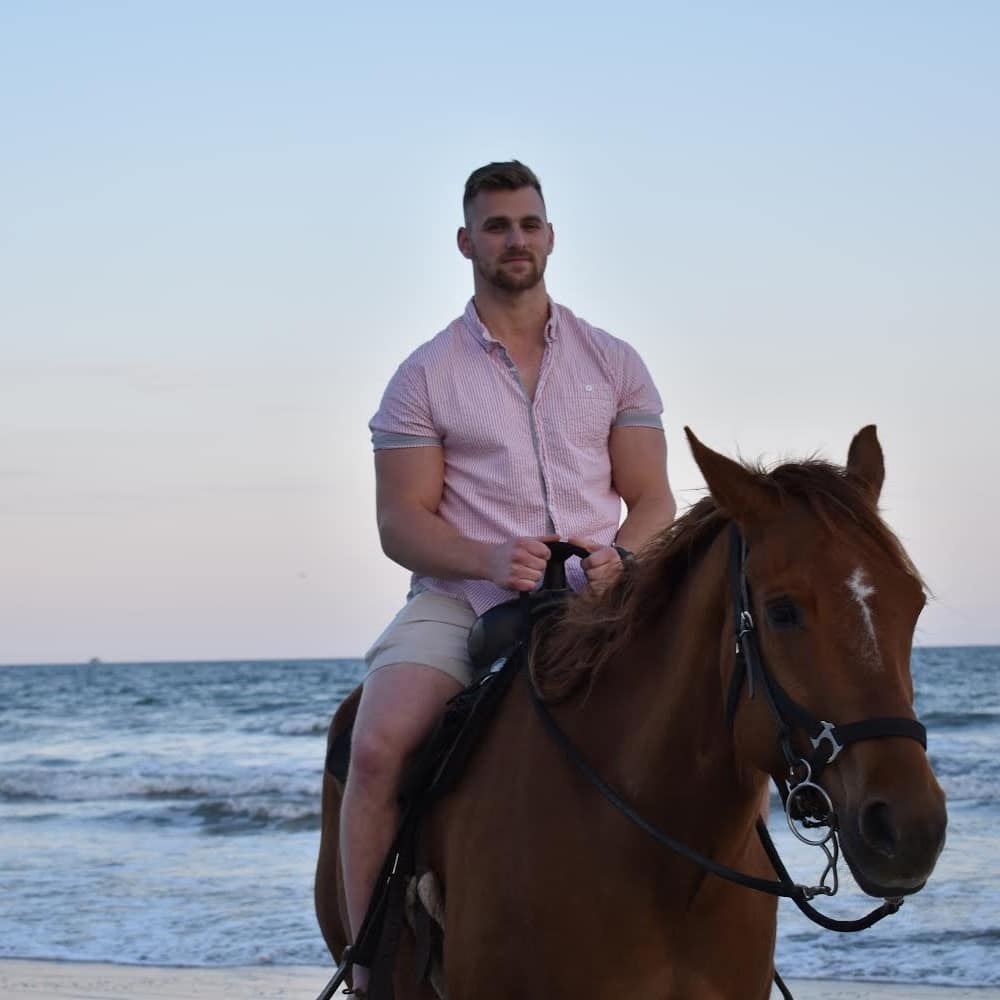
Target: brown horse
[548,891]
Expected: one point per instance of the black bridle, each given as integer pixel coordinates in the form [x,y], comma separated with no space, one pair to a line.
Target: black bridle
[787,714]
[804,799]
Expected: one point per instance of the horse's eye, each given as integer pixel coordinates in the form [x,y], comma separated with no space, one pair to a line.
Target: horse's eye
[783,613]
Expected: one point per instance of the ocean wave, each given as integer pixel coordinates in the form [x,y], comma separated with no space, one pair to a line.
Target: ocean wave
[303,727]
[265,707]
[225,816]
[986,936]
[75,786]
[958,720]
[928,957]
[960,785]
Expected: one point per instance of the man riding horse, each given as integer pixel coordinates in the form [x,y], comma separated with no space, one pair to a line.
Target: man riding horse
[517,424]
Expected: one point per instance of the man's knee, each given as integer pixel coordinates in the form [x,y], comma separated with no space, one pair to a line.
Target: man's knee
[377,756]
[399,707]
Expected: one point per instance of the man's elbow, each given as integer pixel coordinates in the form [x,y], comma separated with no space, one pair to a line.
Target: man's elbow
[389,548]
[388,536]
[400,531]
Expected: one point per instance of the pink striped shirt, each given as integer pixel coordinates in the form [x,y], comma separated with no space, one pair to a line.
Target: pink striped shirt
[516,467]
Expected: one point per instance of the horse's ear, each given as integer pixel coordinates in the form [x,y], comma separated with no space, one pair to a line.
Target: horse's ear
[735,488]
[864,461]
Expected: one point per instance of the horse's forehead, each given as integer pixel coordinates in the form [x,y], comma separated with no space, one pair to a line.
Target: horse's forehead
[801,534]
[861,585]
[846,559]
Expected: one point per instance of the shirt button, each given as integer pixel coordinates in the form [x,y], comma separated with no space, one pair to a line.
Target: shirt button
[589,388]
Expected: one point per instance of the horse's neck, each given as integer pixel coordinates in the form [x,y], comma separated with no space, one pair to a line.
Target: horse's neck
[661,709]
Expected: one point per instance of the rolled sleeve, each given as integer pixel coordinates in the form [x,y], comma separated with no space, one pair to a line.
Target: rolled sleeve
[403,419]
[639,404]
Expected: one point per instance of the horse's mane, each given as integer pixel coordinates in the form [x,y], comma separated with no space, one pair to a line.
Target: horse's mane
[594,628]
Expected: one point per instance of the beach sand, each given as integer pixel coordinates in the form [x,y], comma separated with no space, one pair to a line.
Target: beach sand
[26,980]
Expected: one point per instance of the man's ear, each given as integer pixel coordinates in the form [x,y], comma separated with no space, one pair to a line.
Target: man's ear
[464,244]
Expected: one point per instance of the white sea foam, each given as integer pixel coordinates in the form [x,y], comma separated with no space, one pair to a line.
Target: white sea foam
[76,786]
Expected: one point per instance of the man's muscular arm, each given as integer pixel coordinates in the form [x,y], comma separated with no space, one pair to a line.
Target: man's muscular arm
[408,487]
[639,472]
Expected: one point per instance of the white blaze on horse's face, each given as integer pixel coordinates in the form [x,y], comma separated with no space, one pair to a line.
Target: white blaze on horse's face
[861,590]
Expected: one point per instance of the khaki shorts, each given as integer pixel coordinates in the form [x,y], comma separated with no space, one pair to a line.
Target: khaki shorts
[432,630]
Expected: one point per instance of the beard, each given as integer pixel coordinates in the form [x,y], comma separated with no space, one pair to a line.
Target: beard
[508,282]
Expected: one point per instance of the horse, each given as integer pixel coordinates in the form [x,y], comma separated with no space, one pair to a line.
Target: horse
[547,891]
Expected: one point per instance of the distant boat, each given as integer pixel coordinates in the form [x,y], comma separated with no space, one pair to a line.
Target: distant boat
[95,661]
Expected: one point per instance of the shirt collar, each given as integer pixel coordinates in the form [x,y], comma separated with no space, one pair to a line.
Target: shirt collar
[488,342]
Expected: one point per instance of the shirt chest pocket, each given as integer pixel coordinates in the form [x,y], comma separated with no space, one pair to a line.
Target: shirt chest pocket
[585,413]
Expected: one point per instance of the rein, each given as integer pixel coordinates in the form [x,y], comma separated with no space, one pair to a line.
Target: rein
[784,886]
[800,792]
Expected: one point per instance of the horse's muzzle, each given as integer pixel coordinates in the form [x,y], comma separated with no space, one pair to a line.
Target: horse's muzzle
[892,844]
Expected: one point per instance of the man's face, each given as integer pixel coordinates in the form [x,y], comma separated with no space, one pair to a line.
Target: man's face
[508,238]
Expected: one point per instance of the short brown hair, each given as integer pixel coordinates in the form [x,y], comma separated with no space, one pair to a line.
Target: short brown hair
[508,176]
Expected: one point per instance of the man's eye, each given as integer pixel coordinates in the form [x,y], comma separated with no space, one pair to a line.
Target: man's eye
[784,613]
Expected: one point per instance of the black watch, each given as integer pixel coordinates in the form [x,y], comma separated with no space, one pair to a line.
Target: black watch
[623,553]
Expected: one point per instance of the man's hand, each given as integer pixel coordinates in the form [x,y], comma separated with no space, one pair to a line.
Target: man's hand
[520,564]
[603,564]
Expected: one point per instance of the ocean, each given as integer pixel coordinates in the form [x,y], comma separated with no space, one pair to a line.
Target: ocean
[168,813]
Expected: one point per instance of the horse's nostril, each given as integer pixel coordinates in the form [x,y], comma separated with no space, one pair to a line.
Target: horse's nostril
[877,829]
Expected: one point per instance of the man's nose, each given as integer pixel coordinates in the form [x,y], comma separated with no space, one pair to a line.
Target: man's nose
[515,237]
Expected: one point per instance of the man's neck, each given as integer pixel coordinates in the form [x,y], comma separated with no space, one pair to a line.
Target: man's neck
[516,319]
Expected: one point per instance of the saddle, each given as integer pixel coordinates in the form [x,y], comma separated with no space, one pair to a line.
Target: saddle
[498,646]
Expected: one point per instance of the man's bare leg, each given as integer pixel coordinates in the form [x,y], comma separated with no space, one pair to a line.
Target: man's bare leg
[399,706]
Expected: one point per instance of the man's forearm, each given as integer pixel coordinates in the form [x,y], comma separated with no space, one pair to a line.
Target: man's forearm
[647,517]
[426,544]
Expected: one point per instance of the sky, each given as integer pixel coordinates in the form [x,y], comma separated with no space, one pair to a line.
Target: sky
[222,227]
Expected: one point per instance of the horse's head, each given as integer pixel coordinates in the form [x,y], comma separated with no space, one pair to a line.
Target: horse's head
[835,602]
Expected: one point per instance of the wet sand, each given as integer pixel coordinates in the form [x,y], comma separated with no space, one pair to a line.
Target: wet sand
[28,980]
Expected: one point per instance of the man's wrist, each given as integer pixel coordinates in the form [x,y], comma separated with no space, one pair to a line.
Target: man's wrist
[483,557]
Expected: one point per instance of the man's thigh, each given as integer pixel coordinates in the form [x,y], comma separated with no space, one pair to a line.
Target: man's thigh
[401,702]
[432,630]
[418,663]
